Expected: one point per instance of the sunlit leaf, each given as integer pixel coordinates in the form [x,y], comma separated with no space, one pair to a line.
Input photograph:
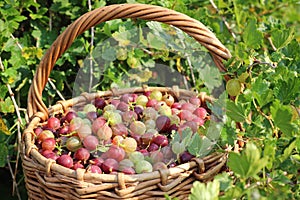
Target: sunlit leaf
[282,116]
[251,36]
[7,106]
[3,127]
[205,191]
[248,163]
[282,37]
[235,111]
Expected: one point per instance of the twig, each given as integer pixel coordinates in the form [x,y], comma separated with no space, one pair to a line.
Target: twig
[18,44]
[56,90]
[12,95]
[91,49]
[190,64]
[50,20]
[148,52]
[25,114]
[18,154]
[49,80]
[224,21]
[265,116]
[68,86]
[15,185]
[257,62]
[273,10]
[271,43]
[185,82]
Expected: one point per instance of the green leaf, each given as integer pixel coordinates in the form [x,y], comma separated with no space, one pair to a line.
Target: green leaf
[282,37]
[287,90]
[205,191]
[200,146]
[214,130]
[3,154]
[178,148]
[122,37]
[186,136]
[102,148]
[234,192]
[288,151]
[10,75]
[240,51]
[261,91]
[3,91]
[209,73]
[59,78]
[282,116]
[224,180]
[7,106]
[269,152]
[235,111]
[292,49]
[264,98]
[109,54]
[296,159]
[251,36]
[248,163]
[167,197]
[195,145]
[175,137]
[40,14]
[3,127]
[155,27]
[155,42]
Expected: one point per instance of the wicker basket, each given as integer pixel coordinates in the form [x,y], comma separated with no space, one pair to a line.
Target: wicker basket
[47,180]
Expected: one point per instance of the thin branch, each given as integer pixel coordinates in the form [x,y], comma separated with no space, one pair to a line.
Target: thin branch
[271,43]
[56,90]
[189,64]
[18,44]
[15,185]
[91,49]
[18,155]
[50,20]
[49,80]
[185,82]
[273,10]
[68,86]
[12,96]
[257,62]
[148,52]
[224,21]
[191,69]
[19,123]
[25,114]
[265,116]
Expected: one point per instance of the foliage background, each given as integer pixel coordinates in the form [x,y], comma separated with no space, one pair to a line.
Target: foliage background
[263,37]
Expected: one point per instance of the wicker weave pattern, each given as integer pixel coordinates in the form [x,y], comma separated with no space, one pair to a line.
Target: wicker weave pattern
[47,180]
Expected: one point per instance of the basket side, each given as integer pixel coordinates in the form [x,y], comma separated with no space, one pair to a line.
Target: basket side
[46,179]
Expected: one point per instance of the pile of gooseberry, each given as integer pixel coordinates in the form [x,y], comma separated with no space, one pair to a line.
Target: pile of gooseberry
[130,134]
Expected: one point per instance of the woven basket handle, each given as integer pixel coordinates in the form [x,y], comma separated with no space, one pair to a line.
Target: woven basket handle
[135,11]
